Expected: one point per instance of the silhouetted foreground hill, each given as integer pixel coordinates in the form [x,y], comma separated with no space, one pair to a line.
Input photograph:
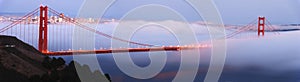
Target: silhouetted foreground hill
[20,62]
[21,57]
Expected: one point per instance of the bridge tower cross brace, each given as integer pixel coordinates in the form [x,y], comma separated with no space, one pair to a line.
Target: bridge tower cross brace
[43,29]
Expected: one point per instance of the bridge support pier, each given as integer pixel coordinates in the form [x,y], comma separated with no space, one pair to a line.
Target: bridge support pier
[43,29]
[261,26]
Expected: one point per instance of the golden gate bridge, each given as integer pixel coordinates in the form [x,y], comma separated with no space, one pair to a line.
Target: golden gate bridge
[24,30]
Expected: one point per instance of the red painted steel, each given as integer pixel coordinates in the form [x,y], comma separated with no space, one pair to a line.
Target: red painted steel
[103,51]
[261,26]
[43,29]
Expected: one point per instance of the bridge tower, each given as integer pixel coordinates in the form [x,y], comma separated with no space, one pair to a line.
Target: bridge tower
[43,29]
[261,26]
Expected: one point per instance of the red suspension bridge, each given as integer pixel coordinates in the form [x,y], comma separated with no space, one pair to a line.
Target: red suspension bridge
[55,24]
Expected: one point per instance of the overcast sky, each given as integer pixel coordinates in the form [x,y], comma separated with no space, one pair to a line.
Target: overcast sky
[232,11]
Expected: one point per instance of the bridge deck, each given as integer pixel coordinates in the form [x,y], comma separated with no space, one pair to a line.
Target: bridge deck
[80,52]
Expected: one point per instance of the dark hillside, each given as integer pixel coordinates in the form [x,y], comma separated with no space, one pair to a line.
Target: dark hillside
[20,62]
